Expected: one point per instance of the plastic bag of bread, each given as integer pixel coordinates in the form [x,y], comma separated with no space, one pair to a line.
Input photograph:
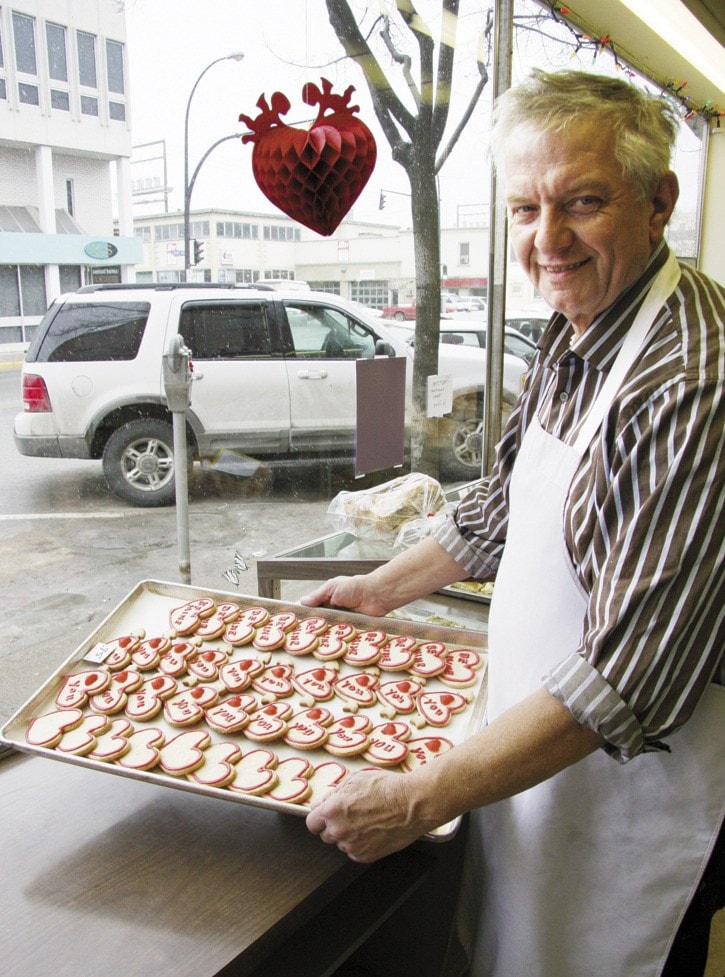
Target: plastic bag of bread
[381,512]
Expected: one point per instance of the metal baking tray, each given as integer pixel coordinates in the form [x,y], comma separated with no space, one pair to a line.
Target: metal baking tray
[147,608]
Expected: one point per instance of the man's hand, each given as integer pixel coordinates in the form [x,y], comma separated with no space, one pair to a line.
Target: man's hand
[357,594]
[370,815]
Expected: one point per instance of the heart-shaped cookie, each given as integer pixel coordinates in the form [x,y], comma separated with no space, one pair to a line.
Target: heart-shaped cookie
[188,706]
[254,773]
[268,723]
[425,749]
[293,785]
[461,666]
[146,702]
[48,730]
[77,688]
[357,690]
[398,697]
[398,653]
[186,618]
[429,659]
[149,652]
[114,743]
[348,736]
[217,770]
[365,648]
[316,684]
[117,651]
[314,177]
[333,643]
[438,708]
[238,673]
[114,698]
[175,661]
[143,749]
[83,738]
[214,625]
[232,714]
[387,747]
[306,730]
[275,681]
[206,664]
[183,754]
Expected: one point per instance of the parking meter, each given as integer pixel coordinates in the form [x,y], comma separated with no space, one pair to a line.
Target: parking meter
[177,374]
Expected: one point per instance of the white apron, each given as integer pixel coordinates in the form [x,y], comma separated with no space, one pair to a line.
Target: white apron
[589,873]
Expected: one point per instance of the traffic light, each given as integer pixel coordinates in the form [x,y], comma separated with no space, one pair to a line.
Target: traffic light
[381,202]
[198,251]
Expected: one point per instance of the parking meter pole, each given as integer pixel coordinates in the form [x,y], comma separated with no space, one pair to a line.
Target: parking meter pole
[177,384]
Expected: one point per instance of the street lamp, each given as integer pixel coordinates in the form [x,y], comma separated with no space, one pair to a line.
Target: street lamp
[188,186]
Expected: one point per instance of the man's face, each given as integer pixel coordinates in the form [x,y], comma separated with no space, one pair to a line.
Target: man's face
[579,229]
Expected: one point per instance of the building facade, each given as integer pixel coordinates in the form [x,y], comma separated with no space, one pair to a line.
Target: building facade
[65,143]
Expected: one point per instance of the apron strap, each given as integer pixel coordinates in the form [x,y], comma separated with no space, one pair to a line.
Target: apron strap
[662,287]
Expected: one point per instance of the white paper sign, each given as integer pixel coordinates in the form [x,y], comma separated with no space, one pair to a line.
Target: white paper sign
[440,396]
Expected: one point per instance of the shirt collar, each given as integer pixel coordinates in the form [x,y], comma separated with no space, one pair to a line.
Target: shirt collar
[600,343]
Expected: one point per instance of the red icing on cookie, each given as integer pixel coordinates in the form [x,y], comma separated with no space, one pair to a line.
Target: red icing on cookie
[255,616]
[358,689]
[121,649]
[206,664]
[84,737]
[438,708]
[187,618]
[275,681]
[324,778]
[78,687]
[232,714]
[188,707]
[146,702]
[149,652]
[48,730]
[114,743]
[348,736]
[183,754]
[425,749]
[293,785]
[366,648]
[114,698]
[300,642]
[254,773]
[175,661]
[429,659]
[398,654]
[214,625]
[238,673]
[217,769]
[268,723]
[398,697]
[239,632]
[461,666]
[316,684]
[387,746]
[143,751]
[306,730]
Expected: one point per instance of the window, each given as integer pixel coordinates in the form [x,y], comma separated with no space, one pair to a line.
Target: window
[144,233]
[84,332]
[246,276]
[226,331]
[57,58]
[275,232]
[69,197]
[114,67]
[236,229]
[32,290]
[25,57]
[70,278]
[60,100]
[86,44]
[464,253]
[319,331]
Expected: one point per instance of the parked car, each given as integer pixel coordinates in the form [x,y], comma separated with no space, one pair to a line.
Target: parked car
[408,310]
[455,332]
[275,377]
[469,303]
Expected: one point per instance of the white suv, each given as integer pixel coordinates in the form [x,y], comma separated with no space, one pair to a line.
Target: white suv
[276,378]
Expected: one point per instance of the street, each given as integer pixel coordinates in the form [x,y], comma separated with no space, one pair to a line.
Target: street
[70,551]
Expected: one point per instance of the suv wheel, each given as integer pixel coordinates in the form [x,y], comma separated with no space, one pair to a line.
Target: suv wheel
[138,462]
[467,443]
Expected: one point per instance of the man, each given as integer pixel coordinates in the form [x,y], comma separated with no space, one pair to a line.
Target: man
[596,789]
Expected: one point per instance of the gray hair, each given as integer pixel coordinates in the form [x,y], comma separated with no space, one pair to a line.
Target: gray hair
[644,126]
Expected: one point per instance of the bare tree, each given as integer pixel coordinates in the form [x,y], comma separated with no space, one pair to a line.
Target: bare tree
[416,141]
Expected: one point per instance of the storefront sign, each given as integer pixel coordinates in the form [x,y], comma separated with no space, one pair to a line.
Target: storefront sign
[101,250]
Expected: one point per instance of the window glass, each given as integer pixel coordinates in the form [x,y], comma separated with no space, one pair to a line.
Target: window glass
[32,290]
[87,59]
[99,331]
[57,58]
[28,94]
[70,278]
[89,106]
[320,331]
[226,331]
[60,100]
[114,67]
[9,294]
[117,111]
[24,33]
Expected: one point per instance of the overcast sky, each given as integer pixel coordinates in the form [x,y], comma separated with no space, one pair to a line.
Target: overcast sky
[286,43]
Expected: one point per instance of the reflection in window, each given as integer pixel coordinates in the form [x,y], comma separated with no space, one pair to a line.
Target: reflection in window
[32,290]
[322,332]
[85,332]
[24,34]
[57,58]
[114,63]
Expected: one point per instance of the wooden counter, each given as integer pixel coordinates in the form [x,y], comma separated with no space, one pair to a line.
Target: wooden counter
[103,874]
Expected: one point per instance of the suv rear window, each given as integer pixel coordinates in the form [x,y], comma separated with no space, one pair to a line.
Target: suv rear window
[97,331]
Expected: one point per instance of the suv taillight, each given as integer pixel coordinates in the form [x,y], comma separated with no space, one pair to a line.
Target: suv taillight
[35,395]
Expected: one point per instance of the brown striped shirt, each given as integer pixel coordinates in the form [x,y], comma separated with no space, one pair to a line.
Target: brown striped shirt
[645,516]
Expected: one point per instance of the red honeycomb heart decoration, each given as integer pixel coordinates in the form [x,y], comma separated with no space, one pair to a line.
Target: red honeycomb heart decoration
[314,176]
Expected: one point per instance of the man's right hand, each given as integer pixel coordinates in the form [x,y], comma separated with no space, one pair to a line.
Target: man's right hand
[356,593]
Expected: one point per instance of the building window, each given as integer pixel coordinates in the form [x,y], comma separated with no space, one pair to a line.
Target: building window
[89,105]
[117,111]
[86,44]
[32,290]
[69,197]
[246,276]
[273,232]
[60,100]
[235,229]
[57,58]
[114,67]
[144,233]
[25,58]
[464,253]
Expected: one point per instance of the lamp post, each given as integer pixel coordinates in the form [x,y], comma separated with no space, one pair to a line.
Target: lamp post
[188,186]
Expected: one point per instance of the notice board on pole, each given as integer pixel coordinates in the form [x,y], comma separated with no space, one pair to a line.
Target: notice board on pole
[380,438]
